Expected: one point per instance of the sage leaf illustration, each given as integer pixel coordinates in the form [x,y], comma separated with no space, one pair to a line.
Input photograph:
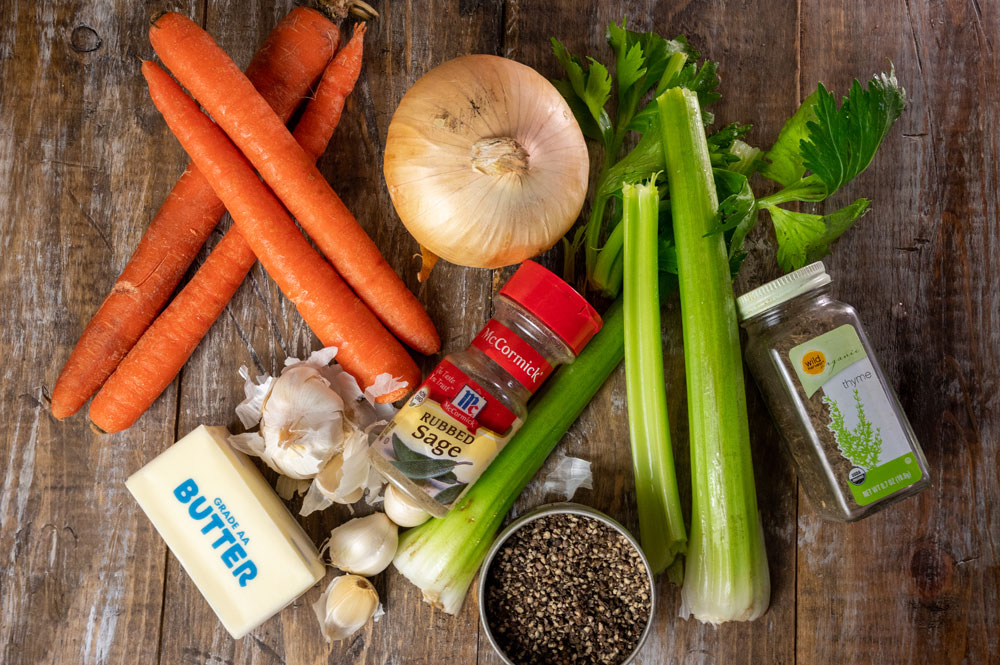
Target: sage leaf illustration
[417,466]
[449,494]
[424,468]
[403,452]
[449,477]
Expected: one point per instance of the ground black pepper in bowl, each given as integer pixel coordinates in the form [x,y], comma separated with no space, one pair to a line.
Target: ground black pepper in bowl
[567,588]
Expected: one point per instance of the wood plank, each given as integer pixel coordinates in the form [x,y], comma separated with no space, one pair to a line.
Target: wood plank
[82,569]
[410,39]
[750,53]
[918,583]
[261,328]
[258,329]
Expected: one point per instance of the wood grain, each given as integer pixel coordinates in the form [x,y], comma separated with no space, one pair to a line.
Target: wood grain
[82,571]
[85,579]
[918,583]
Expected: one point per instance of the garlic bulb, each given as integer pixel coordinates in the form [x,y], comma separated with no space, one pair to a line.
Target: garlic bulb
[400,508]
[315,421]
[301,424]
[485,163]
[346,606]
[301,421]
[364,545]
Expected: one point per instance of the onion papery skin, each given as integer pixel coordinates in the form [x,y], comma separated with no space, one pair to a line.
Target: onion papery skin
[460,213]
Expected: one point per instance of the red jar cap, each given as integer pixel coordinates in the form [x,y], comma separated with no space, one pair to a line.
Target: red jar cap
[556,303]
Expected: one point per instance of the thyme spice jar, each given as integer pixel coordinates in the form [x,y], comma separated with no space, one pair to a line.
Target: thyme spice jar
[851,444]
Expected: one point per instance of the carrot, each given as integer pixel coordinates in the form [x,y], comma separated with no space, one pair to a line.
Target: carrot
[215,81]
[321,115]
[160,353]
[290,59]
[337,316]
[169,342]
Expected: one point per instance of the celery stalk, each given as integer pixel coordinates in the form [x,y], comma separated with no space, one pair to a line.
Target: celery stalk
[726,576]
[442,555]
[661,523]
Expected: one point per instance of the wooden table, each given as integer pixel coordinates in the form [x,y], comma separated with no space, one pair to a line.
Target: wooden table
[85,160]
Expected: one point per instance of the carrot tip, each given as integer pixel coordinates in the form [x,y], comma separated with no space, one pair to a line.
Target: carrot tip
[156,16]
[95,429]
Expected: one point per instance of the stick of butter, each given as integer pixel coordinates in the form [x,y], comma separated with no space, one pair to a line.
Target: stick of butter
[233,535]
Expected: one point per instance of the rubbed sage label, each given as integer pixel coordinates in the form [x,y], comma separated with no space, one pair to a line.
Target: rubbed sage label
[447,434]
[860,413]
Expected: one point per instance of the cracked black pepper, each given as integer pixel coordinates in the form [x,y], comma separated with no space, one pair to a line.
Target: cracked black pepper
[567,589]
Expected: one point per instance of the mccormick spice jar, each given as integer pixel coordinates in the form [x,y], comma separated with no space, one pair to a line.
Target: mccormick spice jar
[474,401]
[852,446]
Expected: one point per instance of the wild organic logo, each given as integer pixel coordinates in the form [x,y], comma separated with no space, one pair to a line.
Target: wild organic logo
[813,362]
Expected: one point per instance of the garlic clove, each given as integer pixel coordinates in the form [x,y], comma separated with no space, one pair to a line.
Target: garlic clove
[330,481]
[399,507]
[345,607]
[356,495]
[345,477]
[364,545]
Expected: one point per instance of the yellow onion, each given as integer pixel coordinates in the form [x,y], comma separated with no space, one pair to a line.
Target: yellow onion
[485,163]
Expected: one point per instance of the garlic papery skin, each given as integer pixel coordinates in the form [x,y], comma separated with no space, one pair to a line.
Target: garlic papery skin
[345,607]
[485,163]
[400,508]
[330,478]
[364,545]
[301,422]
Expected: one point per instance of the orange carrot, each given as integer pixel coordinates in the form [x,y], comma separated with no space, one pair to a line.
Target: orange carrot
[321,115]
[160,353]
[329,307]
[215,81]
[290,59]
[175,333]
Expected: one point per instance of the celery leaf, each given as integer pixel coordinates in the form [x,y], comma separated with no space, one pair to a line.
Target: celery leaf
[581,112]
[834,145]
[842,142]
[586,91]
[703,80]
[783,163]
[804,237]
[720,144]
[737,213]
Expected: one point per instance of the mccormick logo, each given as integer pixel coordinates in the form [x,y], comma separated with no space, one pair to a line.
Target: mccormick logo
[497,342]
[468,401]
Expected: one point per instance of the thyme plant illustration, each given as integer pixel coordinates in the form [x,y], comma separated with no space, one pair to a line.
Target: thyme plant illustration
[862,446]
